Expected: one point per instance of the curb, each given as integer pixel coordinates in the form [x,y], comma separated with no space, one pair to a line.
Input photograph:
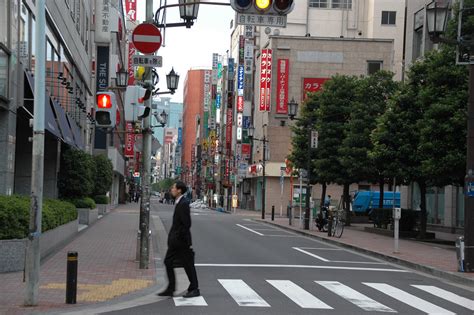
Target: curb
[425,269]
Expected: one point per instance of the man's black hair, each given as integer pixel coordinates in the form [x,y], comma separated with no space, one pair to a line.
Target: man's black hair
[181,186]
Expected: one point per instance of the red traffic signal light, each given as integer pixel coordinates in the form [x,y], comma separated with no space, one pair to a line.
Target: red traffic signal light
[104,101]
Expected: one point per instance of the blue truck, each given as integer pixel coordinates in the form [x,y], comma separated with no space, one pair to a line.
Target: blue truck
[364,201]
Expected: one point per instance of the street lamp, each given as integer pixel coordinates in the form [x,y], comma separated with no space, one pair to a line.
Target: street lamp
[172,80]
[189,11]
[292,111]
[121,78]
[436,23]
[436,20]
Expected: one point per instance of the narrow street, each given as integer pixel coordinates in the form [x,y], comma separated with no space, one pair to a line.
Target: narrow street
[246,267]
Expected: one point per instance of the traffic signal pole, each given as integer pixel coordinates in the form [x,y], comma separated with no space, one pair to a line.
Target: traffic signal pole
[146,172]
[32,262]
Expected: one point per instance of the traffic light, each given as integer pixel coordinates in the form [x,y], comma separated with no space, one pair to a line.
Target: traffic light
[271,7]
[106,109]
[135,96]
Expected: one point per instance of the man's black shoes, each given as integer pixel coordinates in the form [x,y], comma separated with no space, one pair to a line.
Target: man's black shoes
[166,292]
[192,293]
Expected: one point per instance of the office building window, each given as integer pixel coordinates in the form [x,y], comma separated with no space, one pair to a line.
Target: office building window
[318,3]
[389,17]
[374,66]
[341,4]
[4,60]
[418,29]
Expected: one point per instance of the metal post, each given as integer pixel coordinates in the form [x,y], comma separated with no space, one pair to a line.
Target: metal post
[273,213]
[396,227]
[308,186]
[32,263]
[145,200]
[264,179]
[469,201]
[71,278]
[301,199]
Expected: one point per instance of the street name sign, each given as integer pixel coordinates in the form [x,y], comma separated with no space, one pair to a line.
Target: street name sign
[147,61]
[147,38]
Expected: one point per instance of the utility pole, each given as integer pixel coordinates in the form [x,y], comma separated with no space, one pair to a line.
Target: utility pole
[32,263]
[308,184]
[264,179]
[145,200]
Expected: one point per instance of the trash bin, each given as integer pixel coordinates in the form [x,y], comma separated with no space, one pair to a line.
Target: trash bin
[460,253]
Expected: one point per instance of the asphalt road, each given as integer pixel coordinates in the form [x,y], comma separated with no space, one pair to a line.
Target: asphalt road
[246,267]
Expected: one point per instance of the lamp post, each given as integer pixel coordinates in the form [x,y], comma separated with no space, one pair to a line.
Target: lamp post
[121,78]
[189,11]
[292,112]
[264,141]
[437,17]
[172,80]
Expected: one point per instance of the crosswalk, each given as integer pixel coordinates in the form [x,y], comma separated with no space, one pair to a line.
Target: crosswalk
[246,296]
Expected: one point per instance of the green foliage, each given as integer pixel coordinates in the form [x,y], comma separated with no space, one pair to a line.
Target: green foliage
[14,215]
[76,176]
[101,199]
[165,184]
[103,175]
[85,203]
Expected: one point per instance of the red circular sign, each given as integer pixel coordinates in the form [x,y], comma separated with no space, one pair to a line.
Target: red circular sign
[147,38]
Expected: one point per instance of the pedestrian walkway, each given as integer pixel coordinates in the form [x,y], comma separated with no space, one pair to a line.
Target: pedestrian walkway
[432,258]
[332,295]
[106,270]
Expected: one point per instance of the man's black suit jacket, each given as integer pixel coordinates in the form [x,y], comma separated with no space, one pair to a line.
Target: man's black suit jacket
[180,232]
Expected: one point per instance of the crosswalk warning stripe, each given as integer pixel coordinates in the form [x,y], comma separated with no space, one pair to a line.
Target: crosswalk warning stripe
[355,297]
[195,301]
[298,295]
[408,298]
[242,293]
[448,296]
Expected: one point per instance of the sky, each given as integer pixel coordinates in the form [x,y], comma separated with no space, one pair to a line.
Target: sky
[192,48]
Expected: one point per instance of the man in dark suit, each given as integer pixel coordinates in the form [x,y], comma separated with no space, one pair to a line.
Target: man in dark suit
[180,245]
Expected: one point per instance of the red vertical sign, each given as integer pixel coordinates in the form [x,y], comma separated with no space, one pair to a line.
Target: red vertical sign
[129,141]
[228,136]
[268,85]
[312,85]
[263,79]
[282,87]
[131,9]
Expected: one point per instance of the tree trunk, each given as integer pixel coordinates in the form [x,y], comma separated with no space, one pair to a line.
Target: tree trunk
[382,187]
[346,204]
[423,212]
[323,197]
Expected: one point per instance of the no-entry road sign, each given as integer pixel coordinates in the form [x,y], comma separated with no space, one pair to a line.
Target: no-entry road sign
[147,38]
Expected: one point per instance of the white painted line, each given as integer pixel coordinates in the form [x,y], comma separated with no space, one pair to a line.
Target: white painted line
[298,295]
[408,299]
[448,296]
[195,301]
[242,293]
[249,229]
[302,267]
[295,236]
[359,262]
[355,297]
[146,38]
[321,248]
[310,254]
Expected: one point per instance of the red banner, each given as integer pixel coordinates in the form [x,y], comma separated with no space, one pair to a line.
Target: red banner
[268,85]
[129,141]
[282,87]
[245,149]
[131,51]
[228,135]
[240,104]
[311,85]
[263,79]
[131,9]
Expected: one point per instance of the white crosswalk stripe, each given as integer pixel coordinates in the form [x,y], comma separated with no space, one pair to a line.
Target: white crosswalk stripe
[242,293]
[408,298]
[298,295]
[448,296]
[195,301]
[355,297]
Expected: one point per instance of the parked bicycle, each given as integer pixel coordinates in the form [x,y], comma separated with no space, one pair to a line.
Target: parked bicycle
[338,222]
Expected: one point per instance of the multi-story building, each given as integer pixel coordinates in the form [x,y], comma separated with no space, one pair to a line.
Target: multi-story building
[174,111]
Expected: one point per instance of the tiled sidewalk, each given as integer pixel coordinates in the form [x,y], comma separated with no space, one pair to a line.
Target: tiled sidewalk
[106,268]
[437,260]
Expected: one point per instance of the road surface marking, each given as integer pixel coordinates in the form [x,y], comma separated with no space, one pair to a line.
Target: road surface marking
[298,295]
[359,262]
[249,229]
[355,297]
[242,293]
[195,301]
[408,299]
[321,248]
[302,267]
[310,254]
[449,296]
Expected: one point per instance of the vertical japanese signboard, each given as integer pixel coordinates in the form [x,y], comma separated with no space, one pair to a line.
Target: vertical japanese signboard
[129,141]
[207,90]
[265,79]
[131,9]
[312,85]
[282,86]
[102,21]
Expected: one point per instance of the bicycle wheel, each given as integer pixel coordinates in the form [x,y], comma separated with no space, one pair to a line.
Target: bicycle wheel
[339,229]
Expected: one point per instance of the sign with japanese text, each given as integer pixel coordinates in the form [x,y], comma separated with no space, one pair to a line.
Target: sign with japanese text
[240,80]
[265,79]
[248,31]
[180,136]
[241,49]
[131,52]
[131,9]
[207,90]
[311,85]
[129,140]
[218,100]
[102,21]
[282,86]
[261,19]
[240,104]
[215,62]
[147,61]
[228,136]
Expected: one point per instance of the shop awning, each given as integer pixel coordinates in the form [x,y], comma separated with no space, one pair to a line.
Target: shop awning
[63,123]
[76,132]
[51,124]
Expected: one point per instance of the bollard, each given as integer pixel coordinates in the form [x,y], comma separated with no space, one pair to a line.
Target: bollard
[289,215]
[273,213]
[71,278]
[137,254]
[330,224]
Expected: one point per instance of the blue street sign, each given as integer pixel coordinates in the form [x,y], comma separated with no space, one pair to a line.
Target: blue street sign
[240,78]
[470,189]
[218,101]
[180,136]
[246,122]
